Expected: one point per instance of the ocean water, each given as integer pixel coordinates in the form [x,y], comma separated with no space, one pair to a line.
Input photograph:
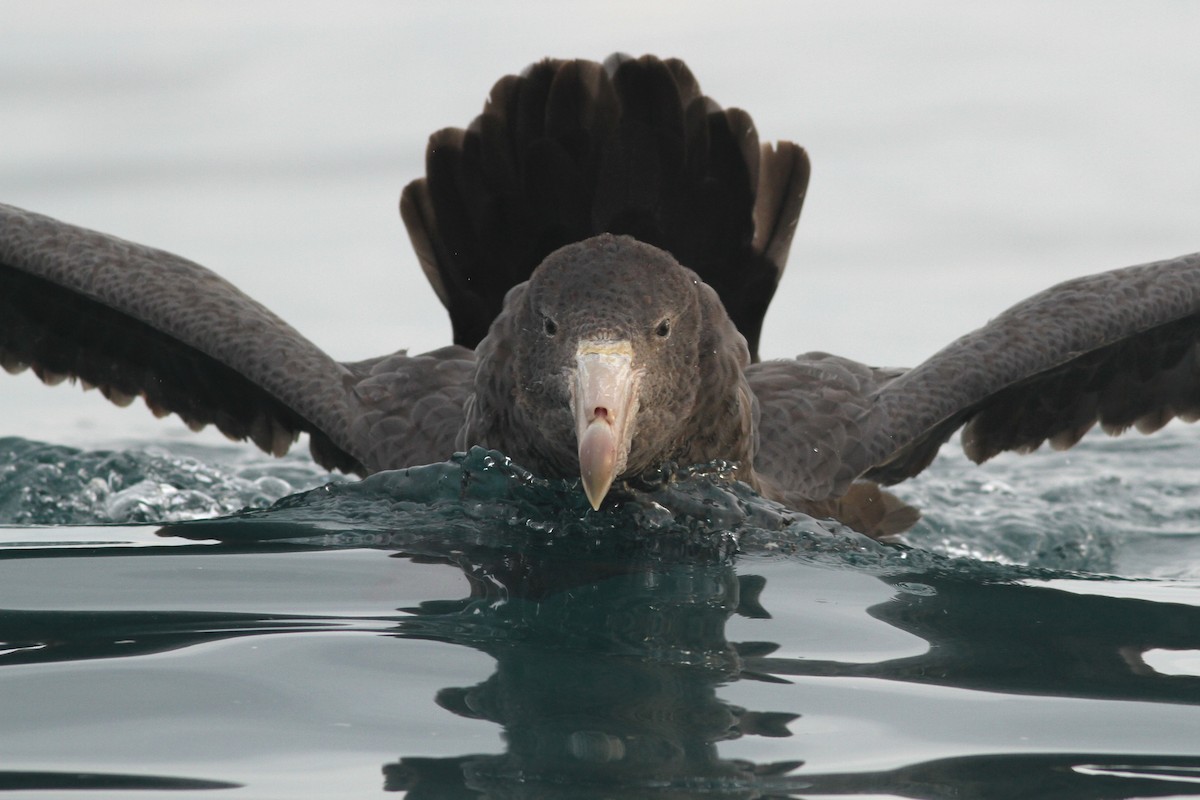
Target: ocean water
[183,616]
[469,630]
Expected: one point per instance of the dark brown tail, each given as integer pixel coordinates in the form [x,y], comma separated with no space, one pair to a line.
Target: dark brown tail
[571,149]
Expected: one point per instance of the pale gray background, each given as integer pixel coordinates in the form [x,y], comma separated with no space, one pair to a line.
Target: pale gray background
[965,155]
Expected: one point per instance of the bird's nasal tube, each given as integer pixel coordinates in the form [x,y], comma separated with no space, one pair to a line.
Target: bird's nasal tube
[604,396]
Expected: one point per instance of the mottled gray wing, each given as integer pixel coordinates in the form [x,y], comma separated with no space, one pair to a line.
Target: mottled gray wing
[132,320]
[1121,348]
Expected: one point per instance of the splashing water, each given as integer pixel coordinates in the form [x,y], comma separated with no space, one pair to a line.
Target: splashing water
[1129,507]
[43,484]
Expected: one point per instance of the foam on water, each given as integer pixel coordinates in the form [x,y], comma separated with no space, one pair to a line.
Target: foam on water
[1126,507]
[46,484]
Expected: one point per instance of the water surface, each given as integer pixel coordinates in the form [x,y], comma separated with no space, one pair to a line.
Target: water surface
[467,630]
[463,630]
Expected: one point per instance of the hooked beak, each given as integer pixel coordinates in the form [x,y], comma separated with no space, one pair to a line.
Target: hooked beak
[604,398]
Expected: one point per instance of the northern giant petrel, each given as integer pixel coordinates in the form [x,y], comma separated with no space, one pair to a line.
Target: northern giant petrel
[606,240]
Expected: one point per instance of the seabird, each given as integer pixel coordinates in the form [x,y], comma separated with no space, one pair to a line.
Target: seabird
[606,240]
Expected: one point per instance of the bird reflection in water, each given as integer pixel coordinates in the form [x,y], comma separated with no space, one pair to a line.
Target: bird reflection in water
[613,666]
[611,650]
[607,677]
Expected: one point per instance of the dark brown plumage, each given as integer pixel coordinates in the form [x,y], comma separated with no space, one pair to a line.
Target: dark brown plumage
[571,149]
[662,229]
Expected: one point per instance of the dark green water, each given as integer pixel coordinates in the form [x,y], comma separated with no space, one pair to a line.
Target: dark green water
[465,631]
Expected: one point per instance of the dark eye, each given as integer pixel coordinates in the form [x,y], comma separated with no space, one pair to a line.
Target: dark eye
[664,329]
[549,326]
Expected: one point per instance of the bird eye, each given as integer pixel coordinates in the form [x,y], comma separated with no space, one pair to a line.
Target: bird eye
[549,326]
[664,329]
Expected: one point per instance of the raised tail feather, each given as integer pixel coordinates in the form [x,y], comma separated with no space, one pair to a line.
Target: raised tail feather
[571,149]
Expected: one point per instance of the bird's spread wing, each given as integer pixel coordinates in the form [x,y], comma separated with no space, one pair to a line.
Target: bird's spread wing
[571,149]
[1121,348]
[132,320]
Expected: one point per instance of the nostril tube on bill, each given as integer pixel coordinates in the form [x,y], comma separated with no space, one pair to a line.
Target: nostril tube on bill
[604,399]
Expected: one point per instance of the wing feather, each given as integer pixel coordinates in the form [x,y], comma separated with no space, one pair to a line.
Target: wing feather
[132,320]
[1120,348]
[571,149]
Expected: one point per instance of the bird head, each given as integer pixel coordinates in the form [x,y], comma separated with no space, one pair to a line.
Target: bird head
[603,365]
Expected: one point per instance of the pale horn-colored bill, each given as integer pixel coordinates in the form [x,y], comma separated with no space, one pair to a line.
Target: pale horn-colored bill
[604,400]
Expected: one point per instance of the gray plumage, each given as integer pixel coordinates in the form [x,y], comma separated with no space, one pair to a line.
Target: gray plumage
[561,155]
